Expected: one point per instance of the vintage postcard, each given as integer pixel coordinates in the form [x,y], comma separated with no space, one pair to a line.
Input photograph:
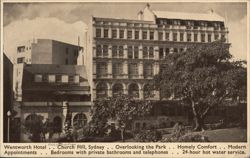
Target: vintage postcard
[124,79]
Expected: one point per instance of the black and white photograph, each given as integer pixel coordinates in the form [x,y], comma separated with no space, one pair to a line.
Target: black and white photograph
[152,72]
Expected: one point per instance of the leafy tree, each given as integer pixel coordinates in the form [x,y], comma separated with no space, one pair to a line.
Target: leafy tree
[121,108]
[203,76]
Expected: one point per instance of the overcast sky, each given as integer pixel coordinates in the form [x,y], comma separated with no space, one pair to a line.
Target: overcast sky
[67,21]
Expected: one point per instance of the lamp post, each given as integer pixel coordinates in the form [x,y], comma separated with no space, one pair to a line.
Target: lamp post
[8,132]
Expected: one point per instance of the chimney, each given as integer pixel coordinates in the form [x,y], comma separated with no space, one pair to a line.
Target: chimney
[140,15]
[211,11]
[148,5]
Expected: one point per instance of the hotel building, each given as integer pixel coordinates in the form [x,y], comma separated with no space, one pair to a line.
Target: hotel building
[124,55]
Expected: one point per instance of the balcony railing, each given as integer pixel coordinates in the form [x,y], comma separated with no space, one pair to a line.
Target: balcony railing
[72,103]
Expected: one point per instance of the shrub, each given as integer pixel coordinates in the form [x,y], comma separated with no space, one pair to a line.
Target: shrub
[148,136]
[178,131]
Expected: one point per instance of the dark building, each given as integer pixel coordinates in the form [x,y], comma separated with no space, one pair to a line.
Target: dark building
[46,90]
[7,93]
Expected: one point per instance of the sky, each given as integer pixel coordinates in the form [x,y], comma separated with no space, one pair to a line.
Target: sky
[66,21]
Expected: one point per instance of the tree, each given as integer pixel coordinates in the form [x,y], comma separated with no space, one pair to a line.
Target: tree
[203,76]
[122,109]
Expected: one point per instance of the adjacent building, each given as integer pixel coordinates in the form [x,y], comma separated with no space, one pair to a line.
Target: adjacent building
[48,88]
[51,83]
[124,54]
[44,51]
[7,97]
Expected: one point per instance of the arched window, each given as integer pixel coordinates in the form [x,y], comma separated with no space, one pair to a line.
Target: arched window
[117,89]
[57,124]
[101,90]
[79,121]
[147,91]
[133,90]
[32,117]
[33,123]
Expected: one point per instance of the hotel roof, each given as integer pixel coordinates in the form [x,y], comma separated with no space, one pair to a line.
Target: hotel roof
[188,16]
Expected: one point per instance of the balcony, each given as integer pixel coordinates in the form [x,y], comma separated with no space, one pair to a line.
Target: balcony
[120,76]
[45,104]
[133,76]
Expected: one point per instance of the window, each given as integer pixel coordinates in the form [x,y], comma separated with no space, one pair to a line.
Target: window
[161,54]
[144,35]
[160,35]
[114,33]
[151,52]
[136,51]
[202,37]
[209,37]
[38,78]
[101,90]
[195,37]
[136,34]
[120,51]
[130,52]
[189,37]
[98,32]
[167,51]
[175,50]
[216,37]
[71,79]
[106,33]
[181,36]
[52,78]
[117,89]
[145,52]
[222,36]
[114,51]
[58,78]
[67,50]
[133,90]
[129,33]
[136,55]
[20,60]
[167,36]
[174,36]
[101,69]
[117,69]
[121,34]
[65,78]
[148,69]
[105,50]
[79,121]
[151,35]
[133,69]
[98,51]
[45,78]
[21,49]
[66,61]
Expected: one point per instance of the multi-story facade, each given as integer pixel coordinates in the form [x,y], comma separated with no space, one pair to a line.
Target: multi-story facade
[126,54]
[48,88]
[44,51]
